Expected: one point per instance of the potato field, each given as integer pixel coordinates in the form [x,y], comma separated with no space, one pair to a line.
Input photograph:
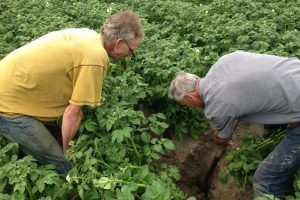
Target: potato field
[124,149]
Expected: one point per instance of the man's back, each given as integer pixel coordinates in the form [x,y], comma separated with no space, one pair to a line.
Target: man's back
[254,87]
[39,78]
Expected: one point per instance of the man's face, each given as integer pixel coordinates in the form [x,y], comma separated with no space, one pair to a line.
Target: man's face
[123,49]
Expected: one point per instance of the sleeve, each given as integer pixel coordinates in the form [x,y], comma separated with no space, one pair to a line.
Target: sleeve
[224,125]
[87,83]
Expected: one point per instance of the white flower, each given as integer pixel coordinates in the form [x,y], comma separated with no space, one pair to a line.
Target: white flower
[71,143]
[68,178]
[273,10]
[109,9]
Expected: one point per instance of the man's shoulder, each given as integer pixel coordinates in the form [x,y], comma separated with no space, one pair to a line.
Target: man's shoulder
[236,54]
[83,33]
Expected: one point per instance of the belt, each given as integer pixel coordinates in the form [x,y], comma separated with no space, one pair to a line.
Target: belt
[293,125]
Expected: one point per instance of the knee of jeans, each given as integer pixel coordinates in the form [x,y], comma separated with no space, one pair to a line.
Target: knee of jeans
[258,175]
[257,183]
[259,187]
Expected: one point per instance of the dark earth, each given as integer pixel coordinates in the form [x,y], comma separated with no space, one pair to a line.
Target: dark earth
[200,161]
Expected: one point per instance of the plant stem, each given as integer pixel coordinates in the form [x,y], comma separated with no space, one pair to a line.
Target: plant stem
[104,163]
[270,140]
[122,181]
[135,150]
[29,190]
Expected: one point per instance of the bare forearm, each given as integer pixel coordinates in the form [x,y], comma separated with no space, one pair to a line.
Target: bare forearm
[71,121]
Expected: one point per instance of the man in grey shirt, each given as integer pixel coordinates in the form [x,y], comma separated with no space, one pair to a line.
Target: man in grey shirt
[256,88]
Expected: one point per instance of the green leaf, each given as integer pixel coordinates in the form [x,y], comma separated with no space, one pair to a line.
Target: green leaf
[152,119]
[124,194]
[223,176]
[168,144]
[132,186]
[237,165]
[103,182]
[246,167]
[161,116]
[155,156]
[146,137]
[136,121]
[127,132]
[174,172]
[231,167]
[162,124]
[143,172]
[164,165]
[81,191]
[156,191]
[117,136]
[154,140]
[157,148]
[121,133]
[243,157]
[108,195]
[91,126]
[108,126]
[289,197]
[252,166]
[33,177]
[158,130]
[41,187]
[155,129]
[2,185]
[297,184]
[266,197]
[229,156]
[79,154]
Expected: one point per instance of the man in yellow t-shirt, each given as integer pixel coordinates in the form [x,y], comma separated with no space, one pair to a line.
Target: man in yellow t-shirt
[56,75]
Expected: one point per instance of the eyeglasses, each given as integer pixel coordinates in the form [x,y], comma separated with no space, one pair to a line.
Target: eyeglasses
[131,50]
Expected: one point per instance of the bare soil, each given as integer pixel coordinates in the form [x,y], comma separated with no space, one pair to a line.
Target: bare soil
[200,161]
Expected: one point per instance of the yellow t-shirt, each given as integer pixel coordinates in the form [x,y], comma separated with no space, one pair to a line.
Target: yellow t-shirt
[43,77]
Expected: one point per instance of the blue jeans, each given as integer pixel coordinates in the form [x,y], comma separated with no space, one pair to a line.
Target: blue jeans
[279,166]
[35,139]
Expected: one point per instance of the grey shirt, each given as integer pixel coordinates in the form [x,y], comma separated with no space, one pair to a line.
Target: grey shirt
[253,87]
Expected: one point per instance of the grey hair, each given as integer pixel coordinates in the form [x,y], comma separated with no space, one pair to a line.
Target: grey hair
[125,25]
[182,84]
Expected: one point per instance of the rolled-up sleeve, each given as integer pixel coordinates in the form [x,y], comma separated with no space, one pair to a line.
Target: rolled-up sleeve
[87,85]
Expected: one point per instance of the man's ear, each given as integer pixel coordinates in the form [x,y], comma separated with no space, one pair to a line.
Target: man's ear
[118,41]
[189,96]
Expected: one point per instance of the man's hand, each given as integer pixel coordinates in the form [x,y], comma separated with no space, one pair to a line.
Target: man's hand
[220,141]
